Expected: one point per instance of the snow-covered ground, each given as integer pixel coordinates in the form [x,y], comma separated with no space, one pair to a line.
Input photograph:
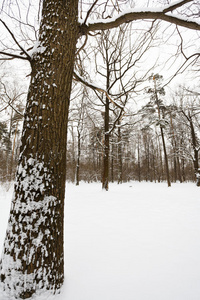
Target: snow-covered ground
[139,241]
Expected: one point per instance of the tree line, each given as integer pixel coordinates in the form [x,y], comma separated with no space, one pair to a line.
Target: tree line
[157,142]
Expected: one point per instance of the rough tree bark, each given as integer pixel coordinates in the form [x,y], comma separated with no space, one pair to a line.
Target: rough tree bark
[33,250]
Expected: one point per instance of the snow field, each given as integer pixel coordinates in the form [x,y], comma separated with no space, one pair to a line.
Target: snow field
[138,241]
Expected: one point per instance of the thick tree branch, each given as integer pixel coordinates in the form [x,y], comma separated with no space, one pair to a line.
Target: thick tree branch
[152,14]
[143,15]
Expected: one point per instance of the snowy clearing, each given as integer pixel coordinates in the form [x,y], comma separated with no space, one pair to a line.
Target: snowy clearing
[138,241]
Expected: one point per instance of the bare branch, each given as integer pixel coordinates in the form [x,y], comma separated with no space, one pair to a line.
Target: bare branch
[92,86]
[180,70]
[89,11]
[85,42]
[175,6]
[13,37]
[10,100]
[12,56]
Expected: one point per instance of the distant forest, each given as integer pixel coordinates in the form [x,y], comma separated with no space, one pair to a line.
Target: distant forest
[157,142]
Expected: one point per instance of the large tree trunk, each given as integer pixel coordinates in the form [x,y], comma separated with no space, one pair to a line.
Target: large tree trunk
[33,250]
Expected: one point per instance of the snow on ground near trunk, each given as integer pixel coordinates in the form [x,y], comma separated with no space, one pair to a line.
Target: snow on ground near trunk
[139,241]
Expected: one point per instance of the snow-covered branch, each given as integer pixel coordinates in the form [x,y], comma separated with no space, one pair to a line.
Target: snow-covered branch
[96,88]
[162,13]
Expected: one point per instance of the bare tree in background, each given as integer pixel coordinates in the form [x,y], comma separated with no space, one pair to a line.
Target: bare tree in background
[187,106]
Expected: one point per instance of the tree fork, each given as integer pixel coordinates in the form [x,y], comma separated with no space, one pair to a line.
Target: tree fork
[33,256]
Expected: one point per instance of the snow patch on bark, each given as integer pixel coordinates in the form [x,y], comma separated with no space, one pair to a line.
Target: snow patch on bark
[29,232]
[37,48]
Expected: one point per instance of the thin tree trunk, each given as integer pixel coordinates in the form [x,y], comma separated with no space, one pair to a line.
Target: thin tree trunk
[161,162]
[13,152]
[183,169]
[78,158]
[153,164]
[196,152]
[105,177]
[148,162]
[179,170]
[9,158]
[162,136]
[177,163]
[166,159]
[139,167]
[33,256]
[73,177]
[112,164]
[120,178]
[175,168]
